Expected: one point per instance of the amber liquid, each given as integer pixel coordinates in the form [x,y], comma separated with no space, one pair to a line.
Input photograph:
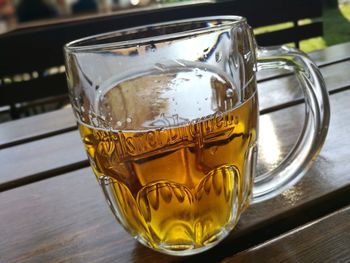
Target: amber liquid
[183,186]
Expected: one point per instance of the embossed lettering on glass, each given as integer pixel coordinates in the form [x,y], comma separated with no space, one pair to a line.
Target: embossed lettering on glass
[168,114]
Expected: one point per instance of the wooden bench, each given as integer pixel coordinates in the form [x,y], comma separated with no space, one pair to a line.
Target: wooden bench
[31,57]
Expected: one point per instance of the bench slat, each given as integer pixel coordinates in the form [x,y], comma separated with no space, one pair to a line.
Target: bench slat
[34,89]
[290,35]
[305,243]
[36,127]
[40,158]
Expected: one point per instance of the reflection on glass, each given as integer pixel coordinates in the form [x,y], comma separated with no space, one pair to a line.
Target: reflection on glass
[269,145]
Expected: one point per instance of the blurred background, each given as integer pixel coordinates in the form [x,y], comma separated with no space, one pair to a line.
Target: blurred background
[14,12]
[19,11]
[336,15]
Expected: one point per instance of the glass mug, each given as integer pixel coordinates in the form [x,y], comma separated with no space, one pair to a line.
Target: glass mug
[168,114]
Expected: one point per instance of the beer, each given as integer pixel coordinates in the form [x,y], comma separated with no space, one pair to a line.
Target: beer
[178,175]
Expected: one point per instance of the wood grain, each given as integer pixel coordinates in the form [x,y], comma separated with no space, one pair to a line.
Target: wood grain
[39,158]
[65,219]
[284,90]
[330,55]
[36,127]
[324,240]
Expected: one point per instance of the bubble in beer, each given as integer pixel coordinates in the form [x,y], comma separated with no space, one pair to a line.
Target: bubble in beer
[229,93]
[213,150]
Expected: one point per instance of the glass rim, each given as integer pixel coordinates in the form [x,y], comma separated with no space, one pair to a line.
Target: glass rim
[82,44]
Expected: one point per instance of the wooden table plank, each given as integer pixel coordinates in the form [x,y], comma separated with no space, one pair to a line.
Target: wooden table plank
[324,240]
[36,127]
[327,56]
[45,125]
[39,159]
[282,91]
[331,54]
[65,218]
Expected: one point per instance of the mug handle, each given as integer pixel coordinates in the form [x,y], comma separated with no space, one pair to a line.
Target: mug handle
[314,131]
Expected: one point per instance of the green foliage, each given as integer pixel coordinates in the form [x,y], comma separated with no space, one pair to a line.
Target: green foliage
[336,28]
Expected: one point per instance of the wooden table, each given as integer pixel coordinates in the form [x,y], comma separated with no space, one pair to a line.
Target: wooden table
[51,209]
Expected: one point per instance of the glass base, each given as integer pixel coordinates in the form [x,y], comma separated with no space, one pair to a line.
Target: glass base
[187,250]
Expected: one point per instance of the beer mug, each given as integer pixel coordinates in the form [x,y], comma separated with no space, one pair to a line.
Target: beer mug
[168,114]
